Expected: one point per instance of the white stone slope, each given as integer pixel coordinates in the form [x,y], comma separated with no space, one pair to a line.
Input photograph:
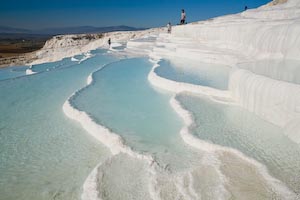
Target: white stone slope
[269,32]
[63,46]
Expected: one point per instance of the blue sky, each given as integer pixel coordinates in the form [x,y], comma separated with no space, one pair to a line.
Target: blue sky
[36,14]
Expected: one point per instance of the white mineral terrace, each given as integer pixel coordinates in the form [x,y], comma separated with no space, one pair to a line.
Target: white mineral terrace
[267,33]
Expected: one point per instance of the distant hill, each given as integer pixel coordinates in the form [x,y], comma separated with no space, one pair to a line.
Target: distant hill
[66,30]
[86,29]
[6,29]
[21,36]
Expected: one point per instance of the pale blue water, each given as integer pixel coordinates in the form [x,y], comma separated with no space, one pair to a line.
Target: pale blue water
[122,99]
[43,154]
[122,47]
[131,106]
[79,57]
[45,67]
[12,72]
[235,127]
[204,74]
[46,155]
[19,71]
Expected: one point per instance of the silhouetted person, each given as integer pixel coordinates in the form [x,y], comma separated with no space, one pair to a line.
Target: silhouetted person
[109,42]
[169,27]
[183,17]
[246,8]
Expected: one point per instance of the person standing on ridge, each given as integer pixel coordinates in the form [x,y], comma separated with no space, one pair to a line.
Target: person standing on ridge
[169,27]
[183,17]
[109,42]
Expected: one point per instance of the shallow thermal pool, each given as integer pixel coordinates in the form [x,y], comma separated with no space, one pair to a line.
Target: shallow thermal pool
[12,72]
[204,74]
[235,127]
[122,99]
[46,155]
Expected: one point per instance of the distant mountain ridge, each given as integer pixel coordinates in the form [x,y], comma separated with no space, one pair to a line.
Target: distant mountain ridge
[67,30]
[7,29]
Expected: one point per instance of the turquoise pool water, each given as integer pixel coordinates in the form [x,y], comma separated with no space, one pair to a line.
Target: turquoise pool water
[45,67]
[46,155]
[204,74]
[235,127]
[12,72]
[132,108]
[122,99]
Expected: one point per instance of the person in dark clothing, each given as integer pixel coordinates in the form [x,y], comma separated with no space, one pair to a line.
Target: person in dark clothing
[246,8]
[183,17]
[109,42]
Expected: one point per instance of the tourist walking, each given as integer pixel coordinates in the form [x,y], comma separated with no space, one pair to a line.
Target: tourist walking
[183,17]
[169,27]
